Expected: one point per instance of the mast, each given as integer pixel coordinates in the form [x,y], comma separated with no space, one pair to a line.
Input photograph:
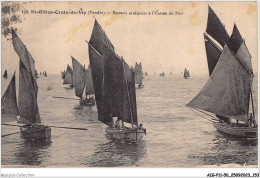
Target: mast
[130,107]
[251,94]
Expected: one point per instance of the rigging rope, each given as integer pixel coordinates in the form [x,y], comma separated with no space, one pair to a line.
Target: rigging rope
[201,115]
[10,134]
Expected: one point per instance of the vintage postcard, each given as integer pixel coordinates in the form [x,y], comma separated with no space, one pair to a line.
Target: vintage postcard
[137,84]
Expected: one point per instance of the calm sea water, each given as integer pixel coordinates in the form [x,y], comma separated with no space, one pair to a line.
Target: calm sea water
[176,136]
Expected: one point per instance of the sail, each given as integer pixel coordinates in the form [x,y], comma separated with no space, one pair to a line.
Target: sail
[213,53]
[244,57]
[99,39]
[27,101]
[89,84]
[96,63]
[79,77]
[118,88]
[9,107]
[227,92]
[113,84]
[235,40]
[138,73]
[23,54]
[5,74]
[68,76]
[216,29]
[62,74]
[128,108]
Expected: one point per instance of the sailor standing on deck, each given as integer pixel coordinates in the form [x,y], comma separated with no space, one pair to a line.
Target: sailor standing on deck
[251,120]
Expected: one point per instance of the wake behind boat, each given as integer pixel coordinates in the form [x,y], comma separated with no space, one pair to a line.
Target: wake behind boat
[228,91]
[26,107]
[114,85]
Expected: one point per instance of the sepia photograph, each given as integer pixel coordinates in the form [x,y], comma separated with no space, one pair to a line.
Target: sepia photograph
[134,84]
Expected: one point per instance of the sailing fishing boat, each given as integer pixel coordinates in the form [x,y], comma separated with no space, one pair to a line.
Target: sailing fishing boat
[83,83]
[139,75]
[162,74]
[114,85]
[68,79]
[5,74]
[228,91]
[44,73]
[26,107]
[186,74]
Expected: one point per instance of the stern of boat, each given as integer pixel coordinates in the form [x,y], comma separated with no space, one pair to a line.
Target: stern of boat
[126,134]
[36,132]
[246,132]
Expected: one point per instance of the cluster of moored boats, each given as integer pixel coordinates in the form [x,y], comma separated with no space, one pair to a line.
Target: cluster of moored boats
[109,82]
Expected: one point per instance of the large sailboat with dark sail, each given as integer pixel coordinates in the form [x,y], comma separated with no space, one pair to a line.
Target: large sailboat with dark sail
[26,108]
[83,83]
[68,78]
[139,75]
[114,85]
[228,91]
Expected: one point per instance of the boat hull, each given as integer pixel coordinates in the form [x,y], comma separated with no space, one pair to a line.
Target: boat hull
[127,135]
[87,102]
[247,132]
[37,132]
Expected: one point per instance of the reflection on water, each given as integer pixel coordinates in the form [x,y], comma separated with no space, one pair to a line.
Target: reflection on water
[32,152]
[227,149]
[116,153]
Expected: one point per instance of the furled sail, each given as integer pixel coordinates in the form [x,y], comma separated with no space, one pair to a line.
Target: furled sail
[79,77]
[68,76]
[9,107]
[138,73]
[216,29]
[227,92]
[99,39]
[213,53]
[89,84]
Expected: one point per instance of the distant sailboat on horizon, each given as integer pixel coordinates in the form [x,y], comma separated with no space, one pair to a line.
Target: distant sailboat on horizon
[139,75]
[186,74]
[83,83]
[5,74]
[68,78]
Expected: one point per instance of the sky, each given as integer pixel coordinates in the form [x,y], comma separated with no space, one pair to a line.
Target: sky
[166,43]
